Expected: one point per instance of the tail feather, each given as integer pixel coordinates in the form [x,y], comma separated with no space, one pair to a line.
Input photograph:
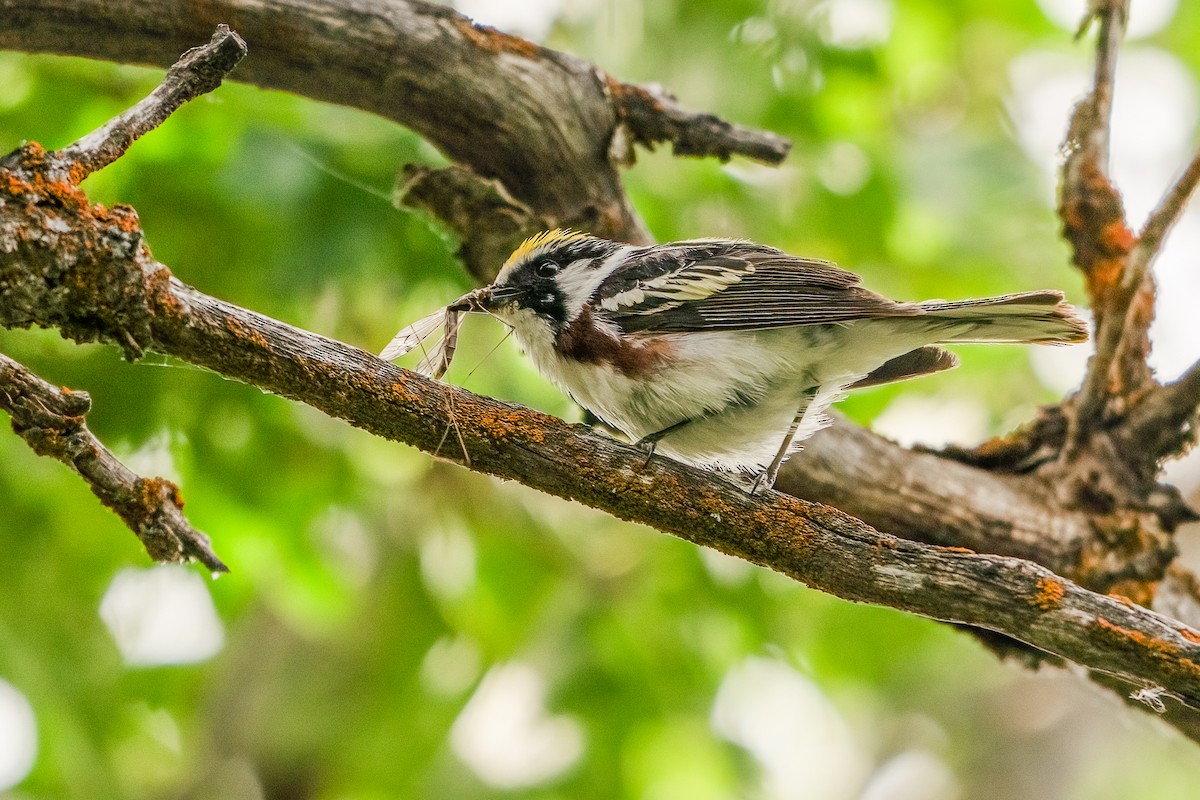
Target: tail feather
[922,361]
[1042,317]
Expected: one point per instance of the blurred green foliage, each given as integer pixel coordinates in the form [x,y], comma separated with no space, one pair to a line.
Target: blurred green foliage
[373,587]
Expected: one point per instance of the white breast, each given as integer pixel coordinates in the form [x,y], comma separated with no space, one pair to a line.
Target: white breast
[741,389]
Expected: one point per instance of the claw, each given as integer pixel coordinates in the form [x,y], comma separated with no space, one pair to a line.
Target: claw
[649,444]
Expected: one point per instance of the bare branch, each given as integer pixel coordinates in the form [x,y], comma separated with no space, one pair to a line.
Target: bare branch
[653,115]
[1168,210]
[1113,15]
[504,119]
[815,544]
[51,421]
[197,72]
[489,221]
[1094,223]
[1164,420]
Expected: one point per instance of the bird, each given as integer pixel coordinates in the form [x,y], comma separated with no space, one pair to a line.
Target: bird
[723,354]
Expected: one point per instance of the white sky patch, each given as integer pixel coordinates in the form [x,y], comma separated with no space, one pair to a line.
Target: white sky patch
[1154,117]
[531,19]
[1184,471]
[18,736]
[855,23]
[1155,114]
[448,562]
[1146,17]
[932,421]
[505,735]
[451,665]
[913,775]
[844,168]
[162,615]
[801,742]
[154,457]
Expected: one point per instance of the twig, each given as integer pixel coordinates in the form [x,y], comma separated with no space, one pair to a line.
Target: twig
[51,421]
[1094,219]
[1169,208]
[1163,422]
[653,115]
[1113,16]
[198,71]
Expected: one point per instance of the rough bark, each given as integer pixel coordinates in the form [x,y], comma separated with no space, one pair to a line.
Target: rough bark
[1066,491]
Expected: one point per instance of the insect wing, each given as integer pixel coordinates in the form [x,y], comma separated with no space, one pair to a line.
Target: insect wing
[414,335]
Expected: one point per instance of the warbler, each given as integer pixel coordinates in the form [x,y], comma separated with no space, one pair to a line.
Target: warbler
[722,353]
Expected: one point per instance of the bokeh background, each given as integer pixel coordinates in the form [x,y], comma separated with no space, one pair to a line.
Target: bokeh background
[397,627]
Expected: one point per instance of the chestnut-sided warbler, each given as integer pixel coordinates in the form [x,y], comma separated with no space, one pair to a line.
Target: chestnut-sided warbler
[722,353]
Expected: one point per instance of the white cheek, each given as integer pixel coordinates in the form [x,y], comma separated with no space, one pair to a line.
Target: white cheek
[578,283]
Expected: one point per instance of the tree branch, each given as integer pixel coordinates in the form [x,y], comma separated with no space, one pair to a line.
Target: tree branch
[654,115]
[1114,261]
[503,120]
[197,72]
[85,270]
[51,421]
[815,544]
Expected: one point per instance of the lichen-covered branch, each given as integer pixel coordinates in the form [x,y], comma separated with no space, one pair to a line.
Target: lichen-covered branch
[816,544]
[197,72]
[52,422]
[495,104]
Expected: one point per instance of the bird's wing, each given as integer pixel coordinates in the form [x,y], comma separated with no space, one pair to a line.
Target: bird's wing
[723,285]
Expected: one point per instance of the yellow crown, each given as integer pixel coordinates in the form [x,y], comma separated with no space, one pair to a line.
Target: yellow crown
[543,239]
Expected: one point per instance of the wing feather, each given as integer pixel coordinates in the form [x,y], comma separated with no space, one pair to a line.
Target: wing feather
[724,285]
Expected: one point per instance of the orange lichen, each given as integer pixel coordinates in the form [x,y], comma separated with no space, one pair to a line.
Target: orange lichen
[1049,595]
[13,186]
[1102,274]
[246,333]
[126,218]
[156,491]
[1189,634]
[1115,237]
[1163,651]
[1094,222]
[498,426]
[76,173]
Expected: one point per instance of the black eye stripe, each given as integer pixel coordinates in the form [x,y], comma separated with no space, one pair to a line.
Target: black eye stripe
[546,269]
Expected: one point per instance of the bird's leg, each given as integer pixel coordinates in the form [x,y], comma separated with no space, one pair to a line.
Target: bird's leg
[650,441]
[766,478]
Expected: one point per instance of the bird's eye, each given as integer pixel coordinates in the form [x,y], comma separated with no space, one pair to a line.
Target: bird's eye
[546,269]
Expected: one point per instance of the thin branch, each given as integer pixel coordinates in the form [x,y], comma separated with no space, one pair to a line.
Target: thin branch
[51,421]
[1094,219]
[1169,208]
[198,71]
[653,115]
[489,221]
[1164,420]
[1113,15]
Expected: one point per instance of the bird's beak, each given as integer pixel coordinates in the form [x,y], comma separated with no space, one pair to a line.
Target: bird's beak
[485,299]
[471,301]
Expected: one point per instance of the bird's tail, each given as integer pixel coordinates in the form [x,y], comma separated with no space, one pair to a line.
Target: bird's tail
[1042,317]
